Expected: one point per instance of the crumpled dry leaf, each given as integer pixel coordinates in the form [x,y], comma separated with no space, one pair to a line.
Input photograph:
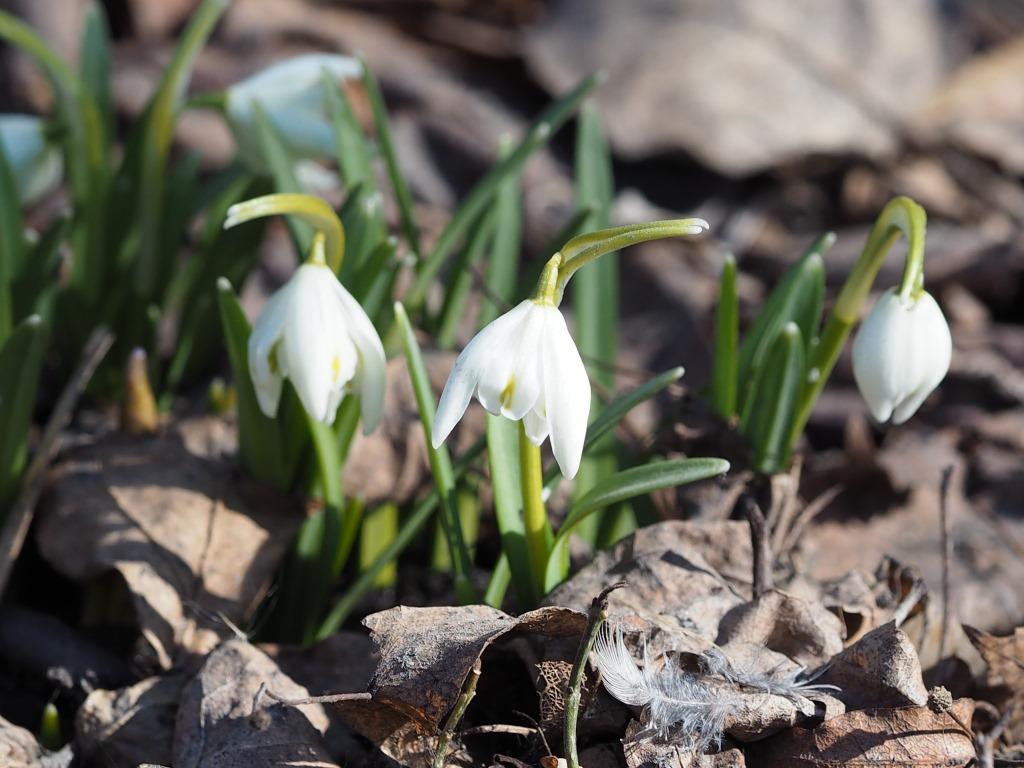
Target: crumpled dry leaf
[129,726]
[18,747]
[218,727]
[912,736]
[191,538]
[879,670]
[745,86]
[643,751]
[803,630]
[683,577]
[1004,676]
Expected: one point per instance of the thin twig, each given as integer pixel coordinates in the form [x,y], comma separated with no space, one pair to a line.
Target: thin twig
[759,544]
[917,591]
[20,517]
[468,692]
[947,556]
[595,618]
[513,730]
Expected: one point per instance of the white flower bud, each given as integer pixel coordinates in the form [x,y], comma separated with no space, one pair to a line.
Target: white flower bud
[291,94]
[525,366]
[314,332]
[36,164]
[901,353]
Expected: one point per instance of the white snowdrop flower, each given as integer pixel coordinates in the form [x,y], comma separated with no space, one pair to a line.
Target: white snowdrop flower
[291,94]
[36,164]
[901,353]
[524,365]
[313,332]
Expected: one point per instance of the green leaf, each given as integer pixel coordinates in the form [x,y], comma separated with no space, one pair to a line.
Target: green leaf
[351,151]
[94,65]
[12,243]
[503,265]
[539,132]
[503,455]
[501,576]
[378,532]
[724,375]
[613,414]
[775,399]
[461,282]
[595,302]
[282,169]
[35,289]
[798,298]
[259,439]
[21,357]
[440,462]
[636,481]
[159,122]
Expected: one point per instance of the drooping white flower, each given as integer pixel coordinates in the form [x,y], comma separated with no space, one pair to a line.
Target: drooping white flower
[901,353]
[524,365]
[313,332]
[35,162]
[291,94]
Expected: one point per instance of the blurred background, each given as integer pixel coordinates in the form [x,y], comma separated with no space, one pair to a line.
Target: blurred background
[774,120]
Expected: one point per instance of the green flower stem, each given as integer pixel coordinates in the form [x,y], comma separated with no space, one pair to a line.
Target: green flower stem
[902,216]
[535,516]
[312,210]
[585,248]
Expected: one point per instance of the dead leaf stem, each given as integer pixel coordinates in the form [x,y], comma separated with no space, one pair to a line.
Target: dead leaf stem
[947,556]
[760,546]
[468,692]
[595,618]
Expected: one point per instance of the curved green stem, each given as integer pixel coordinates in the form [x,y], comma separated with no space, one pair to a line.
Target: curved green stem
[585,248]
[902,216]
[314,211]
[535,516]
[548,291]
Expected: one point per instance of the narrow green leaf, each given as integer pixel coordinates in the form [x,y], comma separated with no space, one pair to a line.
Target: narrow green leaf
[503,456]
[724,376]
[259,441]
[636,481]
[541,130]
[378,532]
[503,265]
[440,462]
[21,357]
[35,289]
[461,283]
[775,399]
[613,414]
[595,301]
[351,151]
[12,243]
[501,577]
[159,121]
[94,65]
[399,185]
[797,298]
[282,168]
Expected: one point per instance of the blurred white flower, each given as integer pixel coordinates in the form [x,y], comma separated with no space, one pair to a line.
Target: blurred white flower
[901,353]
[313,332]
[291,94]
[37,165]
[524,365]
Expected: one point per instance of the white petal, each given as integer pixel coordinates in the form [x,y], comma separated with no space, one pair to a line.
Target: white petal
[932,350]
[566,394]
[35,164]
[371,376]
[266,333]
[316,352]
[483,352]
[511,338]
[880,351]
[535,423]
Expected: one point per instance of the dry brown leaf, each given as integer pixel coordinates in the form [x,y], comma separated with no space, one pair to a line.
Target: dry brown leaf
[18,747]
[1004,676]
[803,630]
[879,670]
[913,736]
[643,751]
[192,539]
[682,577]
[129,726]
[745,86]
[217,726]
